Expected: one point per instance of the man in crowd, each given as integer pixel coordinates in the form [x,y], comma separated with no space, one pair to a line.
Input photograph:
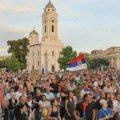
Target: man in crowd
[86,108]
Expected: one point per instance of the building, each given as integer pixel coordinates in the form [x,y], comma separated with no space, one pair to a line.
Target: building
[112,54]
[43,56]
[4,57]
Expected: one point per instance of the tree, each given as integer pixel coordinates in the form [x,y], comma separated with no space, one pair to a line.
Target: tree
[2,63]
[66,55]
[87,59]
[98,62]
[19,48]
[13,64]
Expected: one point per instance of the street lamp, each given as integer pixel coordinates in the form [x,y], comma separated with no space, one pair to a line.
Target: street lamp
[46,62]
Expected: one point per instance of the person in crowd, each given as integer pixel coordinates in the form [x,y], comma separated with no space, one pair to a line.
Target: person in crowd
[19,92]
[54,111]
[109,101]
[69,106]
[12,103]
[17,110]
[86,109]
[71,86]
[8,95]
[64,95]
[36,98]
[94,83]
[104,113]
[45,107]
[54,86]
[42,87]
[23,112]
[30,91]
[97,104]
[29,101]
[116,109]
[49,95]
[108,88]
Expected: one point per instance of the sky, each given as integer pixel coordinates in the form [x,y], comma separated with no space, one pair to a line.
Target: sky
[85,25]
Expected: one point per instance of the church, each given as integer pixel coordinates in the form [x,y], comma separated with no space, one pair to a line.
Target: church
[43,56]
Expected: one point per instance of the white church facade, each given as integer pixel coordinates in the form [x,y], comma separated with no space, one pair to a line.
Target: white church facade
[44,55]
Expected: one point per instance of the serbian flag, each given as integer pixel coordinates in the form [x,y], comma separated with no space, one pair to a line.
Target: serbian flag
[77,64]
[84,110]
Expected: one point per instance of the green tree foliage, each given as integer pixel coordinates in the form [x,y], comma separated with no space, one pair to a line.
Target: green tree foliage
[2,63]
[19,49]
[87,59]
[12,64]
[66,55]
[98,62]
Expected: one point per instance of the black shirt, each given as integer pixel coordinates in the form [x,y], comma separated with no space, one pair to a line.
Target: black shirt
[55,87]
[89,110]
[97,105]
[17,111]
[43,90]
[11,104]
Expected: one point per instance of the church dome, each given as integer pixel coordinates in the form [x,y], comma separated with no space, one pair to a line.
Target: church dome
[33,32]
[49,5]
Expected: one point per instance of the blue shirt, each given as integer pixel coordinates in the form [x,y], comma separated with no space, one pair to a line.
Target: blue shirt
[103,113]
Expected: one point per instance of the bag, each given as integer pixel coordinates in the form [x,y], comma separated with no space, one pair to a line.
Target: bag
[44,112]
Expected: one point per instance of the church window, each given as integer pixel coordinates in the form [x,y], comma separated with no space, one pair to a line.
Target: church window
[52,9]
[45,21]
[52,28]
[53,53]
[48,9]
[53,68]
[38,63]
[33,67]
[52,21]
[45,28]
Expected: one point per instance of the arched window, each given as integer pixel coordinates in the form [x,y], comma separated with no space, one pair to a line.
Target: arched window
[52,28]
[45,28]
[33,67]
[53,68]
[52,21]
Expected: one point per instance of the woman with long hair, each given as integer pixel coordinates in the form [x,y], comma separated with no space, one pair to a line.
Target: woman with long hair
[45,107]
[54,111]
[69,106]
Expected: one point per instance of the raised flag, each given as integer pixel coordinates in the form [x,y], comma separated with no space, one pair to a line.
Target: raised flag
[78,63]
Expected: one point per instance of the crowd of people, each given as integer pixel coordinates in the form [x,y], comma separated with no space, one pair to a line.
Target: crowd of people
[81,95]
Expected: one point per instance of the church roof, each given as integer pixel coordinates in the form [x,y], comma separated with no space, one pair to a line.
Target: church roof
[49,5]
[33,32]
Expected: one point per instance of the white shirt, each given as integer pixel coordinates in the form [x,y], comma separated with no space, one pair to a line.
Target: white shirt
[30,103]
[115,104]
[7,96]
[49,96]
[45,104]
[18,94]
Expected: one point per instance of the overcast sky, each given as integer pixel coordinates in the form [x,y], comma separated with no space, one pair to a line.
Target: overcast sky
[83,24]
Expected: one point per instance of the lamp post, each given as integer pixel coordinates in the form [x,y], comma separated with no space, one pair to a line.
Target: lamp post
[46,62]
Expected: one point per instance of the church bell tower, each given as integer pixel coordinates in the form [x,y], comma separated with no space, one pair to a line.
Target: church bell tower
[49,23]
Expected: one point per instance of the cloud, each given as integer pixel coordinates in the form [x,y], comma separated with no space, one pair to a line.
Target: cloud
[15,8]
[83,24]
[3,49]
